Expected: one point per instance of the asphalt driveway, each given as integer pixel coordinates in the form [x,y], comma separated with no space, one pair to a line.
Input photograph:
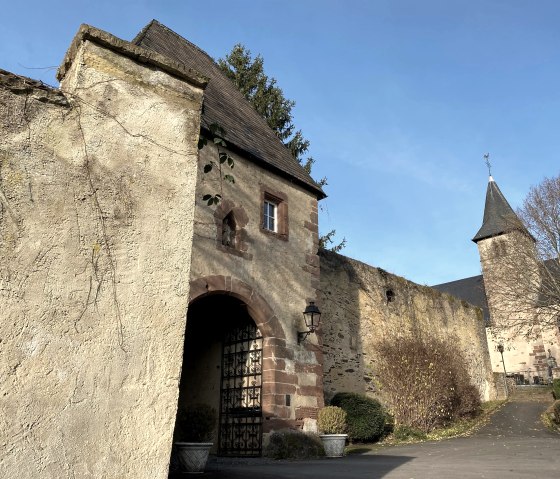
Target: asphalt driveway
[514,444]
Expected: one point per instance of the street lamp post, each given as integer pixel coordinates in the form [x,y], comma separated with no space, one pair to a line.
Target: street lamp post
[501,350]
[551,361]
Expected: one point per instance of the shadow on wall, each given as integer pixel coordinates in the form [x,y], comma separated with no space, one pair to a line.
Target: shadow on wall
[344,365]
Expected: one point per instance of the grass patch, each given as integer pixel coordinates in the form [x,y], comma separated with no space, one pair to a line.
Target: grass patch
[457,429]
[551,417]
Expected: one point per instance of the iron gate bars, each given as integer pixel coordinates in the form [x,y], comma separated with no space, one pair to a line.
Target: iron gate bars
[240,432]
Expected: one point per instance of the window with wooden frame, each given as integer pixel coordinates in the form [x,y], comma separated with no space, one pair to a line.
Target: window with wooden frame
[274,213]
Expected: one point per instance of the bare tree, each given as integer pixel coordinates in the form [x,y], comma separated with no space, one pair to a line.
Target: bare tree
[522,276]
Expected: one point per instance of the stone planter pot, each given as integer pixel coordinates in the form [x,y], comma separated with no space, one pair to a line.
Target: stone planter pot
[193,455]
[334,444]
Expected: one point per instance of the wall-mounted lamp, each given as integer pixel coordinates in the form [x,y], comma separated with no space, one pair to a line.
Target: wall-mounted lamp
[312,317]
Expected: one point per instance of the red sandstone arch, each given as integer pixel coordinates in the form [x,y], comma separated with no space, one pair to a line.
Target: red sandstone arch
[276,382]
[258,308]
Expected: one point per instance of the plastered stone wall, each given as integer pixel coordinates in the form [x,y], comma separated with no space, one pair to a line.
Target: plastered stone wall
[358,316]
[276,275]
[97,185]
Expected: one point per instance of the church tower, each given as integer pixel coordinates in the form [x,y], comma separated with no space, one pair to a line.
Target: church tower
[501,229]
[510,270]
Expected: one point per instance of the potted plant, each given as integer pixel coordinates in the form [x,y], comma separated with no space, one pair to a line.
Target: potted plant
[194,432]
[332,424]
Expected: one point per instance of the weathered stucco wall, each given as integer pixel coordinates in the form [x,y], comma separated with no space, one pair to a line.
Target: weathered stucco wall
[97,189]
[276,275]
[358,316]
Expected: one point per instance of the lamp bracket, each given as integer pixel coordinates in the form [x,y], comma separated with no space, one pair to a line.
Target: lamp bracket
[302,335]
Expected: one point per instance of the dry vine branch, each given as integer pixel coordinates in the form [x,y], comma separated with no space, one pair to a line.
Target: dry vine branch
[104,235]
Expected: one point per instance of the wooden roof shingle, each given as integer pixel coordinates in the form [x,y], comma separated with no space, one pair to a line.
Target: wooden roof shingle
[246,131]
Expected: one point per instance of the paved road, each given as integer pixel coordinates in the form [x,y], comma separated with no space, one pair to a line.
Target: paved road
[514,444]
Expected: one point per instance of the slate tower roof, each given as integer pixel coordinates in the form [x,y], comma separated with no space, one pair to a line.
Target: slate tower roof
[469,289]
[499,217]
[246,131]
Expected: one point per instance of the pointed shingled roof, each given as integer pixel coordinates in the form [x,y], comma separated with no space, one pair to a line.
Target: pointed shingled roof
[499,217]
[224,104]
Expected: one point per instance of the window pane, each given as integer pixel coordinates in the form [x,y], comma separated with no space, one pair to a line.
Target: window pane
[269,217]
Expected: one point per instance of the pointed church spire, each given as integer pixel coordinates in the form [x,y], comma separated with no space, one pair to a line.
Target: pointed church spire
[499,217]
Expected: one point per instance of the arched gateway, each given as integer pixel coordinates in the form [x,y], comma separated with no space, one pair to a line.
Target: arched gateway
[234,351]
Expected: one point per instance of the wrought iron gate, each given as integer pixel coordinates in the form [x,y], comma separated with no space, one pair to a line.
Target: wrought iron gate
[240,393]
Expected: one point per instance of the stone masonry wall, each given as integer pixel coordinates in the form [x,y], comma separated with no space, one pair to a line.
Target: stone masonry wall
[363,305]
[97,186]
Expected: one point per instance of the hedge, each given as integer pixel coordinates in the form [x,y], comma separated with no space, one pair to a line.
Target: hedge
[365,416]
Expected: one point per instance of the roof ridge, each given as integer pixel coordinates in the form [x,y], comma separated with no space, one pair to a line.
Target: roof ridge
[457,280]
[143,32]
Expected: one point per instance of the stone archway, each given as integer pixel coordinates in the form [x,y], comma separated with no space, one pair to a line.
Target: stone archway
[278,386]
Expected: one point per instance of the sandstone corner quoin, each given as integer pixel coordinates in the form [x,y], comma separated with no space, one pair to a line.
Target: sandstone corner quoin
[124,294]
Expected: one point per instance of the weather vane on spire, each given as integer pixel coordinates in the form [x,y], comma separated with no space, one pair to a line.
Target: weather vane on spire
[487,161]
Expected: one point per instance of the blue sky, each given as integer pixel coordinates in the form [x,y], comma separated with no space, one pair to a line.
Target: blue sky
[400,100]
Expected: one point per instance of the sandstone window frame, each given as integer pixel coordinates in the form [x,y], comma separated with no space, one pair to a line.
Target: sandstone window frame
[280,201]
[227,213]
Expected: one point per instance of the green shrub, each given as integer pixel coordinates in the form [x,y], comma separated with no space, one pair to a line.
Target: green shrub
[195,423]
[365,416]
[291,444]
[403,433]
[332,420]
[556,388]
[556,411]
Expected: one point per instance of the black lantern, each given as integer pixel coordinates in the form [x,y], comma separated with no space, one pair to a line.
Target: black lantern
[312,317]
